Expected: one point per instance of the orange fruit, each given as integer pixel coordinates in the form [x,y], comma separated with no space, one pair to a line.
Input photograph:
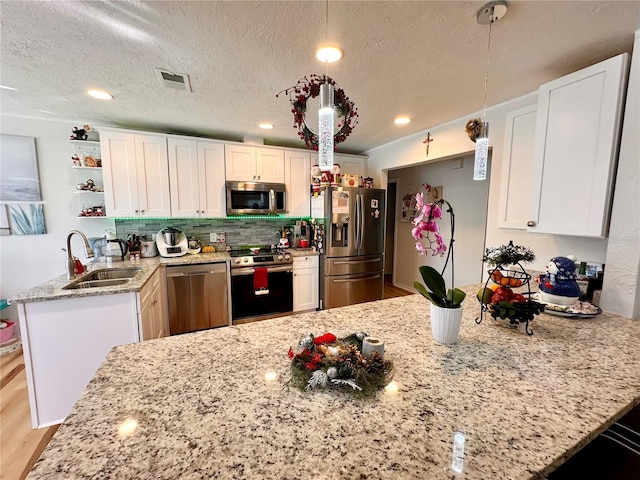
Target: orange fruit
[504,281]
[494,287]
[515,282]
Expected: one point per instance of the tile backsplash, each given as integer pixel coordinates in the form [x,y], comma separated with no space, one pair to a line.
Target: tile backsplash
[237,231]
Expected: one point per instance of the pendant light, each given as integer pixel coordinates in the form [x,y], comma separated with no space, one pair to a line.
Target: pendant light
[487,15]
[326,113]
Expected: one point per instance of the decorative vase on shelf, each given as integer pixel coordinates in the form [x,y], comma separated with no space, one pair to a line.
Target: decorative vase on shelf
[445,324]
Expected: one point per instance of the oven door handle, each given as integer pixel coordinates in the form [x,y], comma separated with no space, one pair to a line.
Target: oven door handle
[235,272]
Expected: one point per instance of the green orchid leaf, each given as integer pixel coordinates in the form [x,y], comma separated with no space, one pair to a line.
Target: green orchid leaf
[434,281]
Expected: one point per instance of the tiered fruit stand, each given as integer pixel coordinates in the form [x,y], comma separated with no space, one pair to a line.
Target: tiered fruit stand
[504,303]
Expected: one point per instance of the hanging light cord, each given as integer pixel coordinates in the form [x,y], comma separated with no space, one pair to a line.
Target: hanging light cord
[486,77]
[326,37]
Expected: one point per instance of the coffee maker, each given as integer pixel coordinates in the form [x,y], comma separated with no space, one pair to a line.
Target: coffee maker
[302,234]
[172,242]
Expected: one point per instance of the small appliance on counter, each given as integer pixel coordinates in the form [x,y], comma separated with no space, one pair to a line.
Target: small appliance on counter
[116,249]
[148,249]
[172,242]
[194,246]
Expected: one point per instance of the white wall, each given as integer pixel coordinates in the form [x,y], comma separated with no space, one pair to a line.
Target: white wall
[451,140]
[623,252]
[29,260]
[469,201]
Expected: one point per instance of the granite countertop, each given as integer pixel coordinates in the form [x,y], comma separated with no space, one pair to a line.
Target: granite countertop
[52,290]
[205,407]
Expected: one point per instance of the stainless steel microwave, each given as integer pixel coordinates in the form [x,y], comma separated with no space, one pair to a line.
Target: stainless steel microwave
[255,198]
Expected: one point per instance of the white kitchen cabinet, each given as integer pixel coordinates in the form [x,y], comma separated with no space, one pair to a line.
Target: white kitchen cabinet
[153,321]
[576,148]
[352,165]
[517,168]
[297,172]
[306,283]
[136,174]
[254,164]
[65,341]
[196,178]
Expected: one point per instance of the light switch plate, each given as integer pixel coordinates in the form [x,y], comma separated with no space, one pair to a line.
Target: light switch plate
[213,237]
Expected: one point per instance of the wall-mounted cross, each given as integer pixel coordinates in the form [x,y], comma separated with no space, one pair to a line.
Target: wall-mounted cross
[428,140]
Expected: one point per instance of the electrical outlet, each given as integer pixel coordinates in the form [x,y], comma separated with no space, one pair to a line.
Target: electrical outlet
[213,237]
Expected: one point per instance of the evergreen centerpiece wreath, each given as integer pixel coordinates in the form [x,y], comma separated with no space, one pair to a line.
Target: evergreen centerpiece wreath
[309,87]
[326,361]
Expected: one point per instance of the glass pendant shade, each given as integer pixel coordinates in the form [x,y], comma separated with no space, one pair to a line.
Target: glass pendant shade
[325,126]
[482,154]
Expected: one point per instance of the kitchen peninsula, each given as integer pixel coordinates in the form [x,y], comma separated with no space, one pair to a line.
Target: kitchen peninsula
[212,404]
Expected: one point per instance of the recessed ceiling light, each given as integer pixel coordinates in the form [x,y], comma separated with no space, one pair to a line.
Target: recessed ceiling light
[266,125]
[329,54]
[402,120]
[100,94]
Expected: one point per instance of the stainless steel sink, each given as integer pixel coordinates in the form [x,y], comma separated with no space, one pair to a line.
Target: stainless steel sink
[105,277]
[97,283]
[111,273]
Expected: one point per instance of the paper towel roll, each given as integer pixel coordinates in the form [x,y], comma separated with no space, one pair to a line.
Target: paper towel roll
[370,345]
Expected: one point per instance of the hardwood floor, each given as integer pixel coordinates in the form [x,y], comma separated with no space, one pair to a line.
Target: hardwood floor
[390,291]
[20,445]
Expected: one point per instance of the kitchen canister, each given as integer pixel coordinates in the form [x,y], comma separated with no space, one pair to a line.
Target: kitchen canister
[370,345]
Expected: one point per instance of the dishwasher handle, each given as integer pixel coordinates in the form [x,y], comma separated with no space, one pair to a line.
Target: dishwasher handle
[201,269]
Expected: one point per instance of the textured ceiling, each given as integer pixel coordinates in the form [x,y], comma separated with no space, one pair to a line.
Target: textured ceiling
[425,59]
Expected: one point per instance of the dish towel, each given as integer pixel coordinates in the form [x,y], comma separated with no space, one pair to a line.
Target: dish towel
[260,281]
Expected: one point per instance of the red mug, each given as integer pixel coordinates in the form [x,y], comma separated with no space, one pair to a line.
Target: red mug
[304,243]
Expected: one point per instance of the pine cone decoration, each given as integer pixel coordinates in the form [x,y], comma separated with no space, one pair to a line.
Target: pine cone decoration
[474,128]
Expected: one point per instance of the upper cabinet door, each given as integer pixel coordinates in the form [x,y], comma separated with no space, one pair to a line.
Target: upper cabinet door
[183,177]
[577,133]
[153,175]
[269,165]
[240,162]
[211,179]
[351,165]
[517,168]
[119,173]
[298,181]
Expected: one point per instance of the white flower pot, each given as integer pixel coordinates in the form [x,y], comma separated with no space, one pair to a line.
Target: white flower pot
[445,324]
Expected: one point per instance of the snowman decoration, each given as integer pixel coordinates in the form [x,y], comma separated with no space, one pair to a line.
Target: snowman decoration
[559,285]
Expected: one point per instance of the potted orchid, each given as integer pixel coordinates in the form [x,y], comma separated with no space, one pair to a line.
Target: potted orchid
[446,304]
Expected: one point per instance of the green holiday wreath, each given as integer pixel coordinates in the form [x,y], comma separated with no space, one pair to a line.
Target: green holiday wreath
[327,362]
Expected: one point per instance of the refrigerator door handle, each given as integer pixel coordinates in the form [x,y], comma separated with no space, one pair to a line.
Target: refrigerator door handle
[349,262]
[356,223]
[351,280]
[361,220]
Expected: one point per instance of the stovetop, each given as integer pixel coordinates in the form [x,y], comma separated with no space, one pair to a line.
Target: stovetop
[244,257]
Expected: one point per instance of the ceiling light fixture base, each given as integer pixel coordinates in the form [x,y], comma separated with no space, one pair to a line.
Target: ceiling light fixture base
[491,12]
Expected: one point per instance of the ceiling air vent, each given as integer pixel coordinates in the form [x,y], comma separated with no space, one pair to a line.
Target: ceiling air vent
[179,81]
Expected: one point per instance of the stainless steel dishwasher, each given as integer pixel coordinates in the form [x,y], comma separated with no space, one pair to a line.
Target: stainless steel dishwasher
[198,297]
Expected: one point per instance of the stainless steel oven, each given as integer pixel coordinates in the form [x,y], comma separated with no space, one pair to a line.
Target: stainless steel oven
[261,285]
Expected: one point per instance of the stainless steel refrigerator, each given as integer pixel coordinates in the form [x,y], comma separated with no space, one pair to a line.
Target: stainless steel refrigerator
[352,254]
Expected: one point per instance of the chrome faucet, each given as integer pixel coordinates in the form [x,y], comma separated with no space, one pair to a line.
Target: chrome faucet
[70,260]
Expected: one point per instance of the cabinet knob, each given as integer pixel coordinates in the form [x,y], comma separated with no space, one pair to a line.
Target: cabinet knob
[136,210]
[531,223]
[142,211]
